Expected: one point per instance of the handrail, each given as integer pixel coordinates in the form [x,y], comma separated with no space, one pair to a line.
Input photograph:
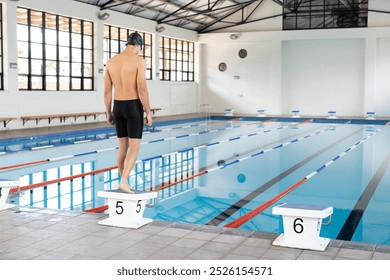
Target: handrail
[250,215]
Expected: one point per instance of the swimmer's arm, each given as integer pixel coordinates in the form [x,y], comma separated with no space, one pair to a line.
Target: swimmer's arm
[107,94]
[142,88]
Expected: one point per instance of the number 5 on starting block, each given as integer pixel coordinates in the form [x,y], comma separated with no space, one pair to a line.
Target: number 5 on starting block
[126,210]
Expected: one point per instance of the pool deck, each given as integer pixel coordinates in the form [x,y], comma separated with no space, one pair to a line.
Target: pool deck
[43,234]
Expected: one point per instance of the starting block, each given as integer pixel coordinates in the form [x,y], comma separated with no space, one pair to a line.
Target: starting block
[302,225]
[261,113]
[126,210]
[370,115]
[5,186]
[295,113]
[332,115]
[229,112]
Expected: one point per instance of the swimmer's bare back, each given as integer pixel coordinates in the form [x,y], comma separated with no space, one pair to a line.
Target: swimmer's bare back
[126,70]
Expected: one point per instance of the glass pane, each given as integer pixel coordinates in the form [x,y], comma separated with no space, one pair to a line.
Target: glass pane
[106,31]
[51,83]
[63,23]
[51,21]
[64,53]
[88,56]
[76,40]
[64,84]
[64,68]
[22,49]
[64,38]
[36,67]
[88,28]
[88,70]
[51,52]
[88,42]
[76,25]
[148,39]
[36,18]
[51,67]
[76,85]
[51,36]
[88,84]
[22,32]
[36,82]
[114,33]
[36,50]
[76,55]
[76,69]
[36,34]
[114,46]
[23,66]
[22,15]
[22,82]
[123,35]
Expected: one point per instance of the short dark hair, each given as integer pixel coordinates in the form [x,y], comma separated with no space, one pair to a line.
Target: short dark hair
[135,39]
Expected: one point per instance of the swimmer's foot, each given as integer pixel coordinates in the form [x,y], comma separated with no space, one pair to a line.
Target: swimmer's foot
[126,188]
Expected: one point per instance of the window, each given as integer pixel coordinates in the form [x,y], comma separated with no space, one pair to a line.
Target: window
[1,49]
[54,52]
[115,39]
[176,60]
[324,14]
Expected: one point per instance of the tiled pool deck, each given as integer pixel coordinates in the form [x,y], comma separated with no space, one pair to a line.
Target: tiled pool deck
[42,234]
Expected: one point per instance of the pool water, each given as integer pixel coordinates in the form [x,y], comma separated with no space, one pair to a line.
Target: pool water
[217,172]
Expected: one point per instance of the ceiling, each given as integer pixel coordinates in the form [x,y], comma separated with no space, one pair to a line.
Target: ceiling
[206,16]
[202,16]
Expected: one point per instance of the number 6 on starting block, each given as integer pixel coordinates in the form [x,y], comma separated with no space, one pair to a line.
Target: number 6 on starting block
[302,225]
[126,210]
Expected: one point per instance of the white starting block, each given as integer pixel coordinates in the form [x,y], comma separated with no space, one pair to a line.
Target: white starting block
[295,113]
[370,115]
[229,112]
[302,225]
[5,186]
[332,115]
[261,113]
[126,210]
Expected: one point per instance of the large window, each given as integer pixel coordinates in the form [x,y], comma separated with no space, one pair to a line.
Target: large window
[54,52]
[115,39]
[176,60]
[316,14]
[1,49]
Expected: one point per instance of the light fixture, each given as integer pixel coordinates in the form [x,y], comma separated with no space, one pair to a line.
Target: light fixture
[103,16]
[160,28]
[233,36]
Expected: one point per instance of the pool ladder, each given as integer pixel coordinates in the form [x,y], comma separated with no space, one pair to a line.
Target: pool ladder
[204,112]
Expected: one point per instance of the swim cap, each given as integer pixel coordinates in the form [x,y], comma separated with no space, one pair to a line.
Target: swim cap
[134,39]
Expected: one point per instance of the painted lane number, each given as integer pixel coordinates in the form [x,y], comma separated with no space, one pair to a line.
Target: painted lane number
[119,208]
[298,226]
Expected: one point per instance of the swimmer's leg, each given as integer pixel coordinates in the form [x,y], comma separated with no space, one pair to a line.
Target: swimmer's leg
[133,147]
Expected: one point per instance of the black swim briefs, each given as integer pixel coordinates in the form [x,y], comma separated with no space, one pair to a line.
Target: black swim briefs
[128,118]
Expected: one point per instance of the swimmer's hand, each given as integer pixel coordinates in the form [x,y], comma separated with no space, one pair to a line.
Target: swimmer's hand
[110,120]
[149,120]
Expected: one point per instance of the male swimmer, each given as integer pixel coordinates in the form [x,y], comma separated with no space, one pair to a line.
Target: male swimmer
[126,73]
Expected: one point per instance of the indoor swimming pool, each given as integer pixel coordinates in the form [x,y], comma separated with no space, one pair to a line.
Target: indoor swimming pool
[215,173]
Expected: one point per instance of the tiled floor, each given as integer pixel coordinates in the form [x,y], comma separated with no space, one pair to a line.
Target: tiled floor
[42,234]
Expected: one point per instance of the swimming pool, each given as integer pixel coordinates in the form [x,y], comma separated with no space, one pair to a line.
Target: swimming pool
[217,172]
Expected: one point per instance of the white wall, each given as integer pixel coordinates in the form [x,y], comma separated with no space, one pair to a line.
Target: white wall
[312,70]
[15,103]
[323,75]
